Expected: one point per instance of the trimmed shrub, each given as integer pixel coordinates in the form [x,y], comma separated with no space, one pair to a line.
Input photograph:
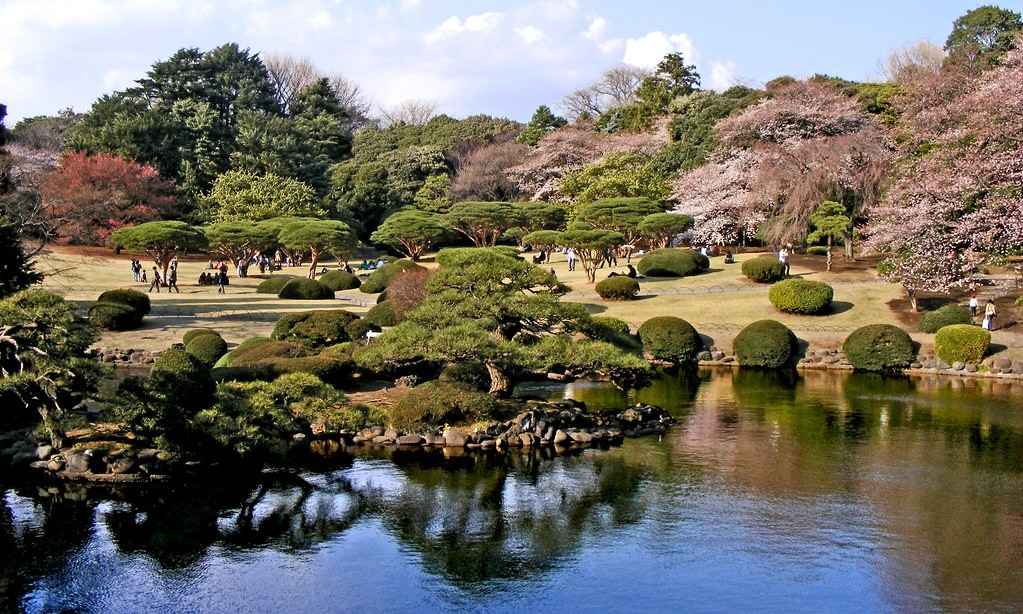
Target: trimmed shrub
[436,403]
[471,374]
[612,330]
[197,332]
[618,288]
[178,375]
[382,315]
[357,329]
[225,360]
[271,359]
[961,343]
[673,263]
[764,269]
[817,250]
[274,284]
[613,325]
[256,352]
[207,348]
[314,329]
[139,301]
[765,343]
[670,338]
[801,296]
[340,280]
[114,316]
[380,278]
[879,347]
[945,315]
[301,288]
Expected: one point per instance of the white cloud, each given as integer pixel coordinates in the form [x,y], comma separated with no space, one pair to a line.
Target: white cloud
[612,45]
[649,49]
[595,31]
[408,5]
[454,26]
[529,34]
[722,75]
[321,20]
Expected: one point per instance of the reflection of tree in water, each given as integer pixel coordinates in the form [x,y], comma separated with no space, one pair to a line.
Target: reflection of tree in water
[509,516]
[33,550]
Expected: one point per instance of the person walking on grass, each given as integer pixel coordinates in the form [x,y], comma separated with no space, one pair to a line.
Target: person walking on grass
[172,281]
[570,255]
[989,315]
[222,282]
[973,304]
[156,281]
[783,257]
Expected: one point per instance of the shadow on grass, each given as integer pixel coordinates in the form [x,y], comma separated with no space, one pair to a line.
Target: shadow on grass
[839,307]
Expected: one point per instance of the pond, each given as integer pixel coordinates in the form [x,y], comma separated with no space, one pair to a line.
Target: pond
[772,493]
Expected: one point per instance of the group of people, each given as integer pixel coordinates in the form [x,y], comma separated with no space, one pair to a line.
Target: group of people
[169,281]
[990,311]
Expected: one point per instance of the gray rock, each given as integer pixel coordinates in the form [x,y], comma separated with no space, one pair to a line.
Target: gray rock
[1017,367]
[391,434]
[560,437]
[79,462]
[55,464]
[915,365]
[44,452]
[382,440]
[581,437]
[488,443]
[435,440]
[123,465]
[941,364]
[454,439]
[704,355]
[971,368]
[410,440]
[1004,364]
[958,365]
[528,440]
[717,355]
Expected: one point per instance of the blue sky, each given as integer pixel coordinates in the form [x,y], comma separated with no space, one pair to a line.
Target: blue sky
[473,56]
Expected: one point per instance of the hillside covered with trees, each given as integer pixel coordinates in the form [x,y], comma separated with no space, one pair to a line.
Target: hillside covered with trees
[926,164]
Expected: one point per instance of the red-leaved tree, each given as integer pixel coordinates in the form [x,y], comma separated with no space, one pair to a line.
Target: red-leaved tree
[89,196]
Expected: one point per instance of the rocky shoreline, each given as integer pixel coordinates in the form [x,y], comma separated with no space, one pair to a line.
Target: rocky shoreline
[103,456]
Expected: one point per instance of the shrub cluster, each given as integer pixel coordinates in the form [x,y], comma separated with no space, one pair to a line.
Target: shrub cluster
[817,250]
[943,316]
[801,296]
[618,288]
[206,346]
[438,402]
[301,288]
[673,263]
[380,278]
[273,284]
[612,330]
[270,359]
[340,280]
[178,375]
[114,316]
[357,329]
[879,347]
[225,360]
[471,374]
[314,329]
[764,269]
[670,338]
[120,309]
[765,343]
[381,315]
[961,343]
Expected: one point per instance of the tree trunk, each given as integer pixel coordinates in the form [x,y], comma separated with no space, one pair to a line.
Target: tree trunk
[499,383]
[849,248]
[312,267]
[57,435]
[912,299]
[829,253]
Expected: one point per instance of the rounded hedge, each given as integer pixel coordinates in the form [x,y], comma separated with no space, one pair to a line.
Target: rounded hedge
[273,284]
[801,296]
[817,250]
[256,353]
[207,348]
[114,316]
[945,315]
[182,377]
[314,329]
[961,343]
[618,288]
[197,332]
[764,269]
[139,301]
[340,280]
[614,325]
[226,359]
[381,314]
[670,338]
[672,263]
[357,329]
[301,288]
[879,347]
[378,280]
[765,343]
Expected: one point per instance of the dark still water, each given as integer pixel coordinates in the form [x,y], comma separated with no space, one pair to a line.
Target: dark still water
[820,493]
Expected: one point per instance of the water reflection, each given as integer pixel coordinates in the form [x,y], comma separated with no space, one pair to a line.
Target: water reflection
[774,491]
